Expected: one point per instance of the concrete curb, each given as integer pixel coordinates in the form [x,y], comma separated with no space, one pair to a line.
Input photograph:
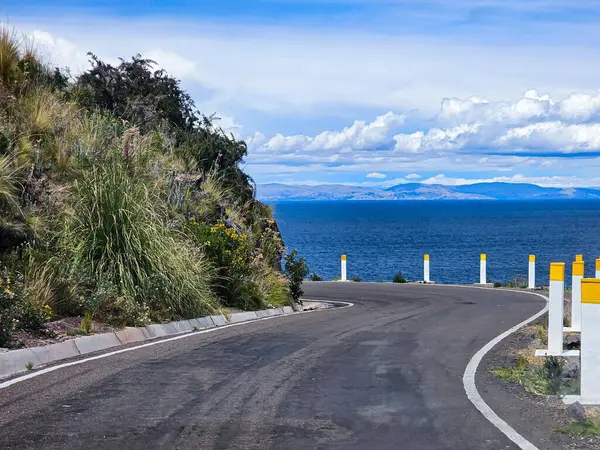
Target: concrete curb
[15,361]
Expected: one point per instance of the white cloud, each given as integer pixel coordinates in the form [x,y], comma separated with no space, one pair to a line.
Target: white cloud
[60,50]
[376,175]
[288,72]
[359,136]
[285,70]
[413,176]
[173,63]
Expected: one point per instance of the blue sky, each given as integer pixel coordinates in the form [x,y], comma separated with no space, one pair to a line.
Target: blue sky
[367,91]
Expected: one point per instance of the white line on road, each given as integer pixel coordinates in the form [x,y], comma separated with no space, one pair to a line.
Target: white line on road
[473,393]
[37,373]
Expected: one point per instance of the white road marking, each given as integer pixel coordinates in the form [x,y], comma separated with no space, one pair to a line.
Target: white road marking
[37,373]
[473,393]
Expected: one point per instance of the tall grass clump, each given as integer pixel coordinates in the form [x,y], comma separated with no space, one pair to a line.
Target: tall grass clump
[117,233]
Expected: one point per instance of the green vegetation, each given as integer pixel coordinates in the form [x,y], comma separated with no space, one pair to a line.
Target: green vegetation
[355,278]
[543,380]
[296,271]
[119,201]
[588,428]
[315,277]
[399,278]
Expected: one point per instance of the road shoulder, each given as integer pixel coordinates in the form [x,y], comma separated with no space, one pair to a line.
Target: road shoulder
[534,416]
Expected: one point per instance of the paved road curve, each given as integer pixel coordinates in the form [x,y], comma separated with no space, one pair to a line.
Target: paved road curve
[385,374]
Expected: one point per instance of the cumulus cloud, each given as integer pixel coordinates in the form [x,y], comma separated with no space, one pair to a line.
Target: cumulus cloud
[464,134]
[413,176]
[376,175]
[301,68]
[359,136]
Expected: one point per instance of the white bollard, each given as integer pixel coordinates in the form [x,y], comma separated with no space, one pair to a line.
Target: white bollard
[578,269]
[555,313]
[344,277]
[598,268]
[590,342]
[531,283]
[426,269]
[482,269]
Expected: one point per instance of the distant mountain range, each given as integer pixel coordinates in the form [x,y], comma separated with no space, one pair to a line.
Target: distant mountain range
[417,191]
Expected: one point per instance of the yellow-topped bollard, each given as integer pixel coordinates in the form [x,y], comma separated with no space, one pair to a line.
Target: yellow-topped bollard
[590,341]
[426,278]
[483,268]
[578,258]
[598,268]
[344,276]
[555,313]
[531,279]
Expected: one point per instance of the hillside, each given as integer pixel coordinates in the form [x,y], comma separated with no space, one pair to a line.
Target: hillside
[121,203]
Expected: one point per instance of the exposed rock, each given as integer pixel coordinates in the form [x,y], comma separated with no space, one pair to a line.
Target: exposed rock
[576,411]
[571,368]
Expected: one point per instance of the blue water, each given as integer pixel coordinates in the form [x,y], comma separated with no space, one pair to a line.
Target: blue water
[385,237]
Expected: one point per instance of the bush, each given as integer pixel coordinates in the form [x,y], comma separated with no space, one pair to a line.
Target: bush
[117,233]
[315,277]
[231,253]
[9,308]
[497,284]
[355,278]
[399,278]
[296,271]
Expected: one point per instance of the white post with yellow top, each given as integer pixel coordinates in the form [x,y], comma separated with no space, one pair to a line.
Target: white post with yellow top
[577,276]
[531,283]
[578,258]
[590,341]
[556,305]
[597,268]
[426,278]
[483,269]
[344,276]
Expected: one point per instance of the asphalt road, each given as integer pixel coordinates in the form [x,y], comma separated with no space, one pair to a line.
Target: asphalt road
[384,374]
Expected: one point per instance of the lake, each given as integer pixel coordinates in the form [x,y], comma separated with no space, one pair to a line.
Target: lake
[385,237]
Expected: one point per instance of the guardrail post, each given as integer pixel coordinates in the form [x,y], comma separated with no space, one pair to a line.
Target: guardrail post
[590,342]
[426,278]
[344,277]
[598,268]
[531,284]
[555,313]
[577,276]
[483,269]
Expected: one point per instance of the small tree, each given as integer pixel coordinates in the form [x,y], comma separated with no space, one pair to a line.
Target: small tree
[296,270]
[399,278]
[315,277]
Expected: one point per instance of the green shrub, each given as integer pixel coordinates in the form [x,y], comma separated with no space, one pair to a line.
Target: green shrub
[296,271]
[497,284]
[272,285]
[399,278]
[117,233]
[552,371]
[355,278]
[231,253]
[86,323]
[315,277]
[9,307]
